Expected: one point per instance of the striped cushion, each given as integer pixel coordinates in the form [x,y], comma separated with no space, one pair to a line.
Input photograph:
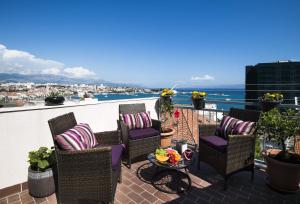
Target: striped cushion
[137,121]
[243,127]
[226,126]
[80,137]
[143,120]
[129,120]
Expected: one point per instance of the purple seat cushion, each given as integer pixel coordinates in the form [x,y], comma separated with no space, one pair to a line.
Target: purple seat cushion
[142,133]
[215,142]
[116,155]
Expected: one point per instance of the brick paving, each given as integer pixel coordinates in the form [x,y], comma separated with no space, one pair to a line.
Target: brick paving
[207,187]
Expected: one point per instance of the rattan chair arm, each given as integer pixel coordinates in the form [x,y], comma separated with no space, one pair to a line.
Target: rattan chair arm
[207,129]
[84,173]
[108,137]
[86,151]
[240,151]
[156,124]
[124,132]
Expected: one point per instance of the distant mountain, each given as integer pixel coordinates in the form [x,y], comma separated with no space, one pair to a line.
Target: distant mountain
[47,78]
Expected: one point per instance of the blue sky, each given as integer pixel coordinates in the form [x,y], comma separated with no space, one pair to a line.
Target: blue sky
[148,42]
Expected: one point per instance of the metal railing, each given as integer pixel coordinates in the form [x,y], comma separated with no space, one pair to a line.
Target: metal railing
[186,123]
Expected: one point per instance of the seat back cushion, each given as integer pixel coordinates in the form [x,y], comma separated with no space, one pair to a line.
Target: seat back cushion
[243,127]
[226,126]
[137,121]
[143,120]
[79,137]
[129,120]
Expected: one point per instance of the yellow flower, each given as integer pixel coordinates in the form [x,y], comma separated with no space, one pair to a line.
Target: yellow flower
[164,94]
[202,94]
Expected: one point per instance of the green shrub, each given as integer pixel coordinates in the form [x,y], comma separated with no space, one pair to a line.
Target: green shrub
[41,159]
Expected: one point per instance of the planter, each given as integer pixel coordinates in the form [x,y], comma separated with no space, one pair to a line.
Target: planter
[166,99]
[53,101]
[268,105]
[283,176]
[199,103]
[297,145]
[40,184]
[165,139]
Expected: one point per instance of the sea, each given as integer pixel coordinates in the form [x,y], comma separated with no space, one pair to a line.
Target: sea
[183,96]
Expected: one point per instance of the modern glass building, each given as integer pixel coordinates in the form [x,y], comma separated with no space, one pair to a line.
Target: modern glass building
[281,76]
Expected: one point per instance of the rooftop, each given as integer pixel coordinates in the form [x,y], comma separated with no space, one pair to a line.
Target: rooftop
[136,187]
[207,187]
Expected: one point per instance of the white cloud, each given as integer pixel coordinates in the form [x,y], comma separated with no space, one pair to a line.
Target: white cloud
[203,78]
[53,71]
[16,61]
[79,72]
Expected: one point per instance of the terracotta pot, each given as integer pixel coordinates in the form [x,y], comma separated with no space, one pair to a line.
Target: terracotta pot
[283,176]
[199,103]
[40,184]
[165,139]
[297,145]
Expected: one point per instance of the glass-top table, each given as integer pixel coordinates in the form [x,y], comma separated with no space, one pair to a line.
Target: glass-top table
[171,178]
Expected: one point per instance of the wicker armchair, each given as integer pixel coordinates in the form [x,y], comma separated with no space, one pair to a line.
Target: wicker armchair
[231,156]
[88,175]
[147,140]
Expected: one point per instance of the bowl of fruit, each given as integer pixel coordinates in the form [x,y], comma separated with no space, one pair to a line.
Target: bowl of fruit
[167,155]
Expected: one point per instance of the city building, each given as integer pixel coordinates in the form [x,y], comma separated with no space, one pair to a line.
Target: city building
[281,76]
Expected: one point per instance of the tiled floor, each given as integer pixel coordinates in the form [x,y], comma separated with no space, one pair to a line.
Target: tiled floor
[206,188]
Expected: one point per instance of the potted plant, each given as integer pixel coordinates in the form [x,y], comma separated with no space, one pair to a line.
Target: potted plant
[166,110]
[198,99]
[54,98]
[283,167]
[40,174]
[270,100]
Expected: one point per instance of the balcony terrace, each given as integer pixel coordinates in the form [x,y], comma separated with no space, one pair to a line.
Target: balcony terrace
[26,128]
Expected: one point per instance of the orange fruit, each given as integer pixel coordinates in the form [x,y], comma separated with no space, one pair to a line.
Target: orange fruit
[161,158]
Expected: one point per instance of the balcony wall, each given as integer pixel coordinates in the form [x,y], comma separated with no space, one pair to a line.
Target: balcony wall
[26,128]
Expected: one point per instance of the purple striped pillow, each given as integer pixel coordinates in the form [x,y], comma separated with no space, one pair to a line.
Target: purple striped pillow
[226,126]
[129,120]
[143,120]
[243,127]
[79,137]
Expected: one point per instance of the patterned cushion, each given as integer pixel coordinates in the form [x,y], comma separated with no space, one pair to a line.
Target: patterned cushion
[79,137]
[143,120]
[137,121]
[226,126]
[243,127]
[129,120]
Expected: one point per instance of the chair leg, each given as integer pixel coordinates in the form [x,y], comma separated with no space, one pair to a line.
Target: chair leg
[120,176]
[225,183]
[252,174]
[198,162]
[129,162]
